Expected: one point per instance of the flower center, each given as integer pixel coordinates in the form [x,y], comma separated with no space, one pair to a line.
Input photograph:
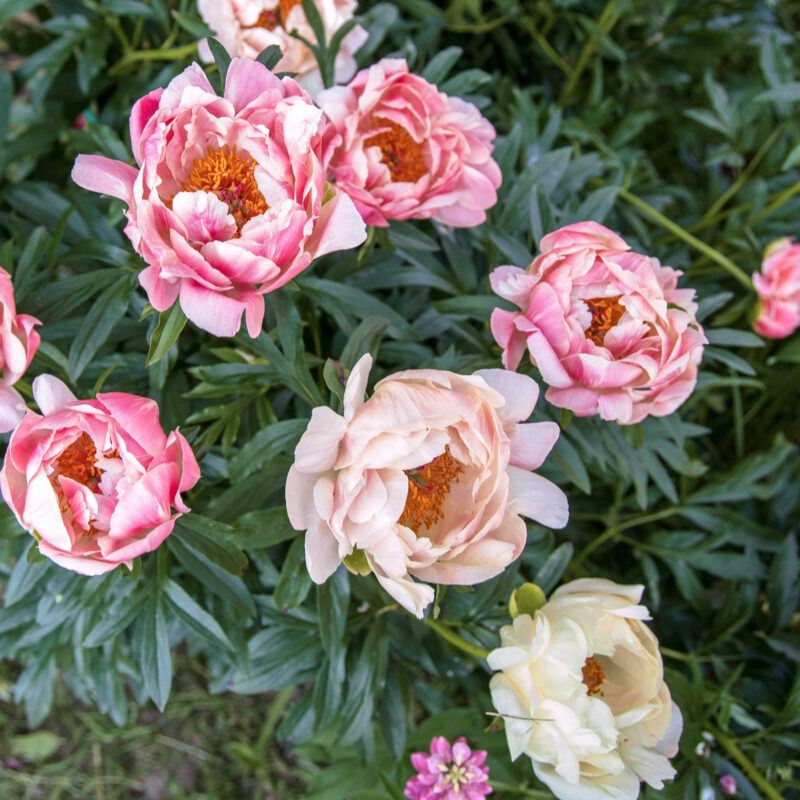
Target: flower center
[456,777]
[275,17]
[593,676]
[401,153]
[428,487]
[78,462]
[232,180]
[606,312]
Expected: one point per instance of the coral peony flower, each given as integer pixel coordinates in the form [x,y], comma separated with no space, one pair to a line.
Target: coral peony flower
[778,287]
[582,693]
[246,27]
[449,773]
[404,150]
[229,201]
[93,480]
[18,343]
[608,329]
[428,478]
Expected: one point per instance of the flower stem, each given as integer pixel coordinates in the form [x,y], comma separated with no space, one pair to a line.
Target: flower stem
[163,54]
[687,237]
[455,639]
[744,762]
[784,196]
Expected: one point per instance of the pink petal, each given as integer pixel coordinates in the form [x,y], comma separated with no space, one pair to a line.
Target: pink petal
[105,176]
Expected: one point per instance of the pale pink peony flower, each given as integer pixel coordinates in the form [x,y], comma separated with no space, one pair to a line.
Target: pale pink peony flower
[18,344]
[229,201]
[404,150]
[449,773]
[94,480]
[246,27]
[428,478]
[608,329]
[778,287]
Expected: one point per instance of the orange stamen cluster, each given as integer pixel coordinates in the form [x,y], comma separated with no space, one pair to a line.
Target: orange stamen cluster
[428,487]
[275,17]
[401,153]
[606,312]
[79,462]
[593,676]
[232,180]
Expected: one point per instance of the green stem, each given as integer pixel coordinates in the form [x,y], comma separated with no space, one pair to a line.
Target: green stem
[605,23]
[744,762]
[162,54]
[548,49]
[519,790]
[483,27]
[687,237]
[743,177]
[456,640]
[784,196]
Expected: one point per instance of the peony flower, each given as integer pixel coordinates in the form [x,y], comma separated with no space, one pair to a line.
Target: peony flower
[608,329]
[447,773]
[581,690]
[404,150]
[428,478]
[778,287]
[229,201]
[18,343]
[246,27]
[94,480]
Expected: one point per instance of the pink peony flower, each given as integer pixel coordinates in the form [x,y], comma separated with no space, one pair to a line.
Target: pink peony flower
[229,201]
[404,150]
[93,480]
[608,329]
[446,773]
[428,478]
[778,287]
[246,27]
[18,343]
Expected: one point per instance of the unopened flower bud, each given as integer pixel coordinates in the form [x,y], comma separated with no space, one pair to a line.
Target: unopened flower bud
[727,784]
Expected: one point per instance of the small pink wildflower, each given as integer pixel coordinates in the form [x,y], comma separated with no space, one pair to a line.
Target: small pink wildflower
[447,773]
[727,783]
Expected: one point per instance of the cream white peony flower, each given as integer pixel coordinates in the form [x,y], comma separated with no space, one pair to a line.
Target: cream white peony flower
[581,690]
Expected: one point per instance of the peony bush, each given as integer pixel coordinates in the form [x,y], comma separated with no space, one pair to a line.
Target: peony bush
[394,417]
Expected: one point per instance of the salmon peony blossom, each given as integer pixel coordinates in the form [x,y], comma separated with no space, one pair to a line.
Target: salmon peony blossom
[18,344]
[94,480]
[581,690]
[449,773]
[778,287]
[608,329]
[246,27]
[229,201]
[404,150]
[428,478]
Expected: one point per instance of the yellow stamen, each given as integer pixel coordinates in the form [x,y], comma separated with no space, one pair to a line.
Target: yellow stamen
[401,153]
[606,312]
[275,17]
[428,487]
[232,180]
[593,676]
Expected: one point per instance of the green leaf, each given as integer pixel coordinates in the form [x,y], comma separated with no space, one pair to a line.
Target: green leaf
[36,746]
[438,68]
[231,589]
[170,324]
[280,437]
[115,618]
[214,540]
[221,58]
[24,577]
[365,338]
[195,617]
[155,660]
[103,316]
[782,586]
[551,571]
[333,598]
[295,582]
[10,8]
[266,528]
[270,56]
